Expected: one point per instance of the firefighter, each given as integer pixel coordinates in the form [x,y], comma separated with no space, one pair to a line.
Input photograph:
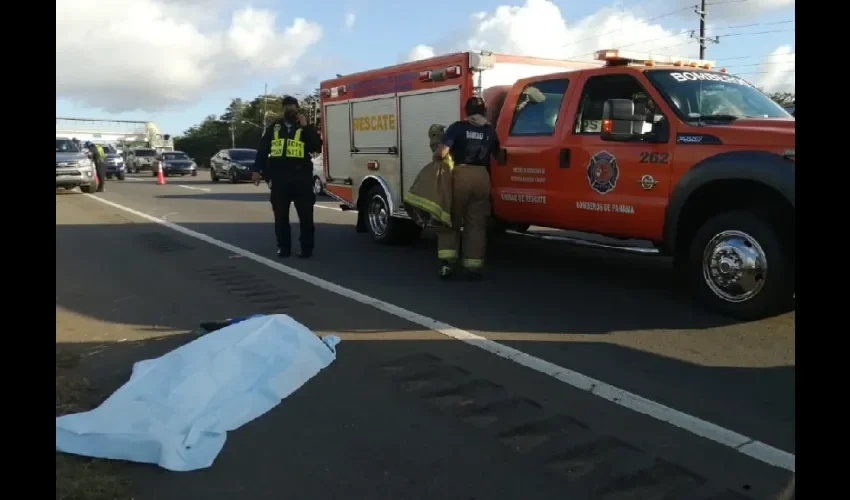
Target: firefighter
[98,156]
[470,143]
[284,159]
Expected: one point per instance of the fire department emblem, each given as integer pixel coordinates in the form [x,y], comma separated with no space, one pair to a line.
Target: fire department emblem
[602,172]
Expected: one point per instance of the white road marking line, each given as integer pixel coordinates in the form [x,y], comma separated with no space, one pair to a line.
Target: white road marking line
[206,190]
[726,437]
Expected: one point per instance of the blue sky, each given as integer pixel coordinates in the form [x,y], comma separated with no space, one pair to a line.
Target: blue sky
[383,33]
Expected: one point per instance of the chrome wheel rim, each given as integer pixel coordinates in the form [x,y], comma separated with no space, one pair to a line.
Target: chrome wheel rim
[317,186]
[378,215]
[734,266]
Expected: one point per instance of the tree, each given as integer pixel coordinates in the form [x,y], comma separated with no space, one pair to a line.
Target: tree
[782,98]
[246,119]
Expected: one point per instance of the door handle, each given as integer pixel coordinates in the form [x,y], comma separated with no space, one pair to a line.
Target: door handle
[564,159]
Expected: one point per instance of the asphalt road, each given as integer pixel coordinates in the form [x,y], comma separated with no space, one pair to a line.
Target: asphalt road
[612,317]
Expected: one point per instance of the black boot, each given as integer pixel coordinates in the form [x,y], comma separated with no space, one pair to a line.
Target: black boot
[282,254]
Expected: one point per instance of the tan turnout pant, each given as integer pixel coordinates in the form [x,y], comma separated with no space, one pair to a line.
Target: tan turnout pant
[470,209]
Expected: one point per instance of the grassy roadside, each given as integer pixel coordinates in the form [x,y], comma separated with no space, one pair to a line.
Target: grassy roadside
[79,478]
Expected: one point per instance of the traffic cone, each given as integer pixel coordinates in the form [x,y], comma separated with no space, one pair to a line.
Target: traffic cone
[160,178]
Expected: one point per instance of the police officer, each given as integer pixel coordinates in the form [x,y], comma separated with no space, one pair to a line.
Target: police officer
[471,143]
[98,156]
[284,160]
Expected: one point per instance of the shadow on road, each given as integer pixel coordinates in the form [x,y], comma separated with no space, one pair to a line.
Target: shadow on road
[543,305]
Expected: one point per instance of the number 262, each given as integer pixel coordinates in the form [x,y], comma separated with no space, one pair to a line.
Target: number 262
[654,157]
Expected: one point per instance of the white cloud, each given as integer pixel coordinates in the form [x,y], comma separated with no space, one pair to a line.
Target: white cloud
[538,28]
[350,19]
[419,52]
[776,72]
[153,54]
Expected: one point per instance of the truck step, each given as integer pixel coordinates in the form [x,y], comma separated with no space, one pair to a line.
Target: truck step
[607,245]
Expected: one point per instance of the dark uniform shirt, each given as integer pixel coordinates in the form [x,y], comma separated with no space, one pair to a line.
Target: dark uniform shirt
[285,150]
[471,144]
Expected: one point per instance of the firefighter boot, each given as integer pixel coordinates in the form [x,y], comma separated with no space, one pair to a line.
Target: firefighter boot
[447,269]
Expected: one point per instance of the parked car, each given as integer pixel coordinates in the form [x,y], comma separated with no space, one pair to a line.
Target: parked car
[73,167]
[791,108]
[115,166]
[176,163]
[318,174]
[141,159]
[232,164]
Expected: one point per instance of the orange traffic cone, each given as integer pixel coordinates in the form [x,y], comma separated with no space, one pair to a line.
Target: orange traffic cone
[160,178]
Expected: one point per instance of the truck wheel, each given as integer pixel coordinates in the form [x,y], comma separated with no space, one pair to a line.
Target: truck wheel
[742,266]
[122,176]
[213,175]
[194,173]
[385,229]
[317,186]
[89,189]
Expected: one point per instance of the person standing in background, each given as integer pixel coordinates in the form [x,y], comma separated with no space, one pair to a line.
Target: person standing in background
[284,159]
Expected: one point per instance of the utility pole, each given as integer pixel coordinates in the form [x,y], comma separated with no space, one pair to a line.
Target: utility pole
[703,41]
[265,93]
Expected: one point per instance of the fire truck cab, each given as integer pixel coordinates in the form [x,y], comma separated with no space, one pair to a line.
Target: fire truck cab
[631,147]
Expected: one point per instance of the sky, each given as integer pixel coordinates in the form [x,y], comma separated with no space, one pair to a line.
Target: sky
[176,61]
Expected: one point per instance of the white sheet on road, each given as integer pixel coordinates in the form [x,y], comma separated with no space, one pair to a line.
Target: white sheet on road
[175,410]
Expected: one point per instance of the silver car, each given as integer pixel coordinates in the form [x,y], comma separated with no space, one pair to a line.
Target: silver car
[73,167]
[141,159]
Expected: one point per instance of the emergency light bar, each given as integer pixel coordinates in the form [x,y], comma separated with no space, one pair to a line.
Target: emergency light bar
[616,57]
[440,75]
[335,91]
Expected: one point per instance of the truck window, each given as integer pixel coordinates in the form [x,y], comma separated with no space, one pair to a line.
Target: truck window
[537,109]
[599,89]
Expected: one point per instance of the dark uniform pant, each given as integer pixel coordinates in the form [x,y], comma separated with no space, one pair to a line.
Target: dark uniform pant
[100,168]
[470,209]
[300,193]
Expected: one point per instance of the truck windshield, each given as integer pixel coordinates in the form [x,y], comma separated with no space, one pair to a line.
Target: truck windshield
[66,146]
[705,94]
[145,152]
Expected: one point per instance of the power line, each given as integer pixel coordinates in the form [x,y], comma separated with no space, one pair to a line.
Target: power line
[758,64]
[726,1]
[755,33]
[753,25]
[763,72]
[751,56]
[661,16]
[635,43]
[695,39]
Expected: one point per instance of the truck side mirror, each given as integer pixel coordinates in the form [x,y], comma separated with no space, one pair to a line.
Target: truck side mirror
[619,120]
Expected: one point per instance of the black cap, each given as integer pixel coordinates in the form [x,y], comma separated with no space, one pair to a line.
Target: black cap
[288,99]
